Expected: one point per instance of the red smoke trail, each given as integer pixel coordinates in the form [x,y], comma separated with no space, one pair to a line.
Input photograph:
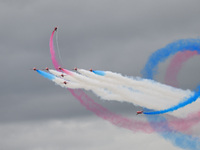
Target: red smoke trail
[185,123]
[171,79]
[52,51]
[176,65]
[105,114]
[67,71]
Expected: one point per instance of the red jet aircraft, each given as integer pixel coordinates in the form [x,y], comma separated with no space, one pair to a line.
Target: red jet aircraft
[139,112]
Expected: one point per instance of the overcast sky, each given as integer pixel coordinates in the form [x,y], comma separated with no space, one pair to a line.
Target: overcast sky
[116,35]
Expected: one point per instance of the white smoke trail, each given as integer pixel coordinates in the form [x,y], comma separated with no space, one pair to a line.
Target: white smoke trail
[140,92]
[78,81]
[143,85]
[139,84]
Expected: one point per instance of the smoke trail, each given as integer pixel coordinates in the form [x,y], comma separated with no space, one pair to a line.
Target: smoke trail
[109,116]
[52,51]
[164,96]
[101,73]
[175,66]
[185,124]
[177,138]
[46,75]
[144,85]
[140,92]
[57,47]
[76,81]
[180,105]
[182,45]
[171,78]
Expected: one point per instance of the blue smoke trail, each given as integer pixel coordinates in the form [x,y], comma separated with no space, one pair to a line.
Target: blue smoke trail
[161,55]
[179,139]
[99,72]
[46,75]
[181,104]
[151,66]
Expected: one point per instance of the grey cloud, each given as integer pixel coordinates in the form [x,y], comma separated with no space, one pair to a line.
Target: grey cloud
[101,34]
[84,134]
[105,35]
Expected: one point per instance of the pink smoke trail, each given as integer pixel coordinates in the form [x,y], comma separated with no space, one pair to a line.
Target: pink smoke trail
[105,114]
[176,65]
[185,123]
[52,51]
[171,79]
[67,71]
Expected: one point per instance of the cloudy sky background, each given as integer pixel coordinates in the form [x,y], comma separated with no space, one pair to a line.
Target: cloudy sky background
[100,34]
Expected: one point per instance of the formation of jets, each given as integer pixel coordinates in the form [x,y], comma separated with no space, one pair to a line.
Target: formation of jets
[65,82]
